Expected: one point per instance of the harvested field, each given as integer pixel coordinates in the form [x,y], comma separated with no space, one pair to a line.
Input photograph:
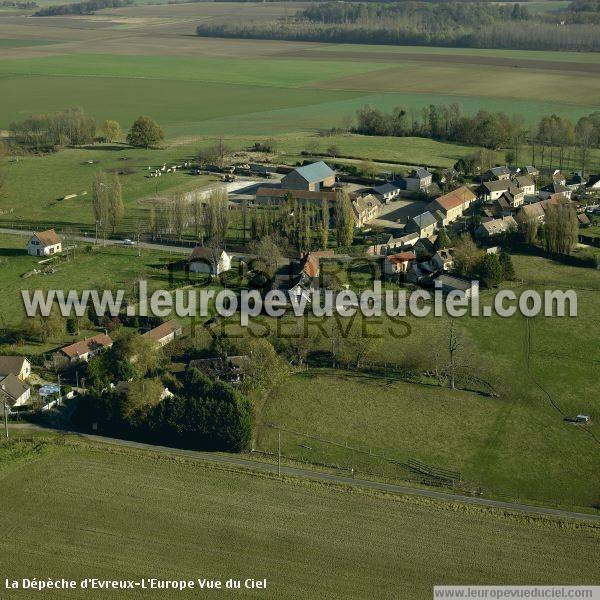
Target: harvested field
[431,78]
[449,59]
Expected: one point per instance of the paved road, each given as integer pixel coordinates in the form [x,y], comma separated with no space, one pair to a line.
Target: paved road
[151,246]
[246,463]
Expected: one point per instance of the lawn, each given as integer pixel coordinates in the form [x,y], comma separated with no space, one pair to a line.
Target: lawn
[93,511]
[593,231]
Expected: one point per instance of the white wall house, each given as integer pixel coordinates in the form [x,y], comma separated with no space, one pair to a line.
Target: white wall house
[17,365]
[209,260]
[164,333]
[44,243]
[13,391]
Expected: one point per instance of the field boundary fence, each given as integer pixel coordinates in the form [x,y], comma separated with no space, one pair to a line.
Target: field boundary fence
[410,467]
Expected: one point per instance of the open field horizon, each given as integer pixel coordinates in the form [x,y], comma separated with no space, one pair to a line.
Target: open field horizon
[196,86]
[145,59]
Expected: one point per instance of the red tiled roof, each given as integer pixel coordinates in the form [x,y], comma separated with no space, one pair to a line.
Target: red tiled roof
[311,262]
[48,238]
[163,330]
[86,346]
[402,257]
[457,197]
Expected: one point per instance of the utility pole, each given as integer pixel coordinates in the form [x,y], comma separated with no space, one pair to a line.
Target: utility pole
[278,453]
[5,413]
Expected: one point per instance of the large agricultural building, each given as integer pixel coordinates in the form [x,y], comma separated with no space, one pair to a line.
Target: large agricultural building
[311,177]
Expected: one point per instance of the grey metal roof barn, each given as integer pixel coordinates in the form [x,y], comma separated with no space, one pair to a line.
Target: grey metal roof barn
[315,172]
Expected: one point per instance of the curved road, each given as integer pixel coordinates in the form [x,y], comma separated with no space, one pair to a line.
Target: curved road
[246,463]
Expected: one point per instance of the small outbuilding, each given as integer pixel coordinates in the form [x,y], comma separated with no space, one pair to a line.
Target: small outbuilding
[209,260]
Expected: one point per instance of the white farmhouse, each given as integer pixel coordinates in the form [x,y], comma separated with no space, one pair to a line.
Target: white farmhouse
[209,260]
[44,243]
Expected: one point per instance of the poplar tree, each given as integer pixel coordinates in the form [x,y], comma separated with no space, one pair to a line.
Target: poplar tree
[344,219]
[115,202]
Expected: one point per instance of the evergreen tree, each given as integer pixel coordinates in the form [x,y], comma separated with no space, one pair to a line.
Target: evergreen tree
[443,240]
[508,269]
[490,270]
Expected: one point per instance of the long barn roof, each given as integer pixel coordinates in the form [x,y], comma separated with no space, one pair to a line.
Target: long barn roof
[315,172]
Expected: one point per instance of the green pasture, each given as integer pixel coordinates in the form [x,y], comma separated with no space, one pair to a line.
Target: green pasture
[515,445]
[48,178]
[110,513]
[17,43]
[237,71]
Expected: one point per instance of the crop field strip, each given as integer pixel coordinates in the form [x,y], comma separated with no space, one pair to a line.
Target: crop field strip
[341,543]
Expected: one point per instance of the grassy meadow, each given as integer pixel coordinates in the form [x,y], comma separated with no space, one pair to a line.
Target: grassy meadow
[515,445]
[308,540]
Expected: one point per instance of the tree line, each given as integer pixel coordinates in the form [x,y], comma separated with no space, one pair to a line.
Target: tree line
[202,415]
[303,227]
[433,15]
[81,8]
[73,127]
[459,24]
[209,217]
[552,138]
